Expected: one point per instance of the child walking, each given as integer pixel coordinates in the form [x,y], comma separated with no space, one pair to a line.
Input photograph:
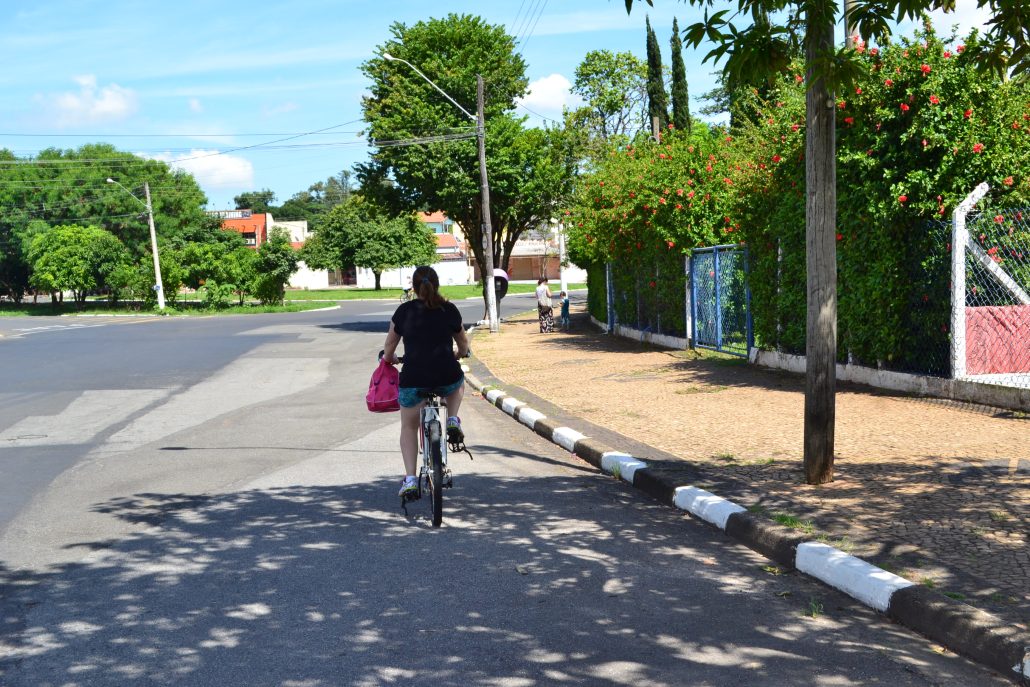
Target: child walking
[564,299]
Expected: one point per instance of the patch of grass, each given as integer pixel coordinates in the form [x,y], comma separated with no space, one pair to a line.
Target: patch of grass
[843,543]
[458,292]
[772,569]
[815,608]
[727,457]
[958,596]
[794,522]
[105,308]
[999,516]
[757,509]
[891,567]
[928,582]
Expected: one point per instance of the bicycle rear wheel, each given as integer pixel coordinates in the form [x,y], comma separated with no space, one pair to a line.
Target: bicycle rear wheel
[436,472]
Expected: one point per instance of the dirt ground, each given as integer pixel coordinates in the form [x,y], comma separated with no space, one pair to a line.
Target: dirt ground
[933,490]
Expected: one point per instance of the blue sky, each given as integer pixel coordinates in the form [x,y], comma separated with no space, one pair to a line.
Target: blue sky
[192,81]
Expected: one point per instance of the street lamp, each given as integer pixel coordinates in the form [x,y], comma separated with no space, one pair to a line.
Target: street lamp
[159,287]
[484,187]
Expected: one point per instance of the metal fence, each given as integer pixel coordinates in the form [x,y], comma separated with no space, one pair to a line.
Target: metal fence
[720,300]
[648,293]
[991,295]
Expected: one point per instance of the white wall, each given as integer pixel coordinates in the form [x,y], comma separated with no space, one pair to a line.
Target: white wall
[450,273]
[306,278]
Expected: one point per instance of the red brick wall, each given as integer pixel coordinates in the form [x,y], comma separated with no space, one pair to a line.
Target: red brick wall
[998,339]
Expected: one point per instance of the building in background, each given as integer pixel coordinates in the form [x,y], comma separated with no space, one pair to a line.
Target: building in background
[453,262]
[254,228]
[535,255]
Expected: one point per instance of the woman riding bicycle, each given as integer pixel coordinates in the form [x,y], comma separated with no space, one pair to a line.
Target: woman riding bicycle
[428,326]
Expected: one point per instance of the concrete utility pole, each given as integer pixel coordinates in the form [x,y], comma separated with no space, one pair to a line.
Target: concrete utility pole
[484,188]
[488,233]
[159,285]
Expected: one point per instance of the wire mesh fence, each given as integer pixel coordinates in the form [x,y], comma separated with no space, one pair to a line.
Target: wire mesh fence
[720,299]
[996,297]
[648,293]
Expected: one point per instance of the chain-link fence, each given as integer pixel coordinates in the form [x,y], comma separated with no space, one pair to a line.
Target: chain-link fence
[720,300]
[648,293]
[992,287]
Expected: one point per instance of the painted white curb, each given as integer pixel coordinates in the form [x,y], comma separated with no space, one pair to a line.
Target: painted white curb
[864,581]
[566,437]
[623,463]
[510,403]
[706,505]
[529,417]
[493,395]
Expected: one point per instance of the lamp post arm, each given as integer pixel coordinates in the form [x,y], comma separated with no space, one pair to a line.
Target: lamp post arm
[429,81]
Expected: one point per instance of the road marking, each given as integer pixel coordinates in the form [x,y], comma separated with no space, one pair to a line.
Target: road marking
[243,383]
[82,419]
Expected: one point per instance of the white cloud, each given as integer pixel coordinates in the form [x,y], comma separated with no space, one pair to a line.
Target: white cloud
[549,95]
[282,108]
[210,169]
[196,106]
[91,104]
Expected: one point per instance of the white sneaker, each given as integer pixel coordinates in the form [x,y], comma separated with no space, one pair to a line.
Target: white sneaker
[409,487]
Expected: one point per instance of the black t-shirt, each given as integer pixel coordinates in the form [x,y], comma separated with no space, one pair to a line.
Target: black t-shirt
[428,336]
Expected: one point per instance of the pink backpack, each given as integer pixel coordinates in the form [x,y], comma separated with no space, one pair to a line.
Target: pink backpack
[382,389]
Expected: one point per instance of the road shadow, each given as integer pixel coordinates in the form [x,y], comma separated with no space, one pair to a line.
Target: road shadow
[331,585]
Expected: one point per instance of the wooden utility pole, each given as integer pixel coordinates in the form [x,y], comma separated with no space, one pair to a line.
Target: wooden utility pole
[488,233]
[820,243]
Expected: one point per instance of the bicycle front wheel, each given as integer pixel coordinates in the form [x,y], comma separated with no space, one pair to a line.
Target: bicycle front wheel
[436,472]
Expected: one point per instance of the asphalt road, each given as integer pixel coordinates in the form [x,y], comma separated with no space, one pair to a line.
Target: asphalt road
[207,502]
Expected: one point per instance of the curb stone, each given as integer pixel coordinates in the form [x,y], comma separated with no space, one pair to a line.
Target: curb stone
[959,627]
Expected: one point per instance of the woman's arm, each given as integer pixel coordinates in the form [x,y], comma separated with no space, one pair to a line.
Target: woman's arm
[462,339]
[390,348]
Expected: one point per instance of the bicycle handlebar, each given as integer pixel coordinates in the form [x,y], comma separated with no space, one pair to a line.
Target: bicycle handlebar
[400,358]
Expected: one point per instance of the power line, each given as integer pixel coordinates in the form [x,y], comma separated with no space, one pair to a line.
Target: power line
[186,159]
[100,136]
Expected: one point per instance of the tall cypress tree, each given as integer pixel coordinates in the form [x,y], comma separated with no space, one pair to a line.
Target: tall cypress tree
[657,101]
[680,99]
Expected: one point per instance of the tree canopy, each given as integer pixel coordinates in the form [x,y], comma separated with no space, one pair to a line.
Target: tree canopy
[359,234]
[64,187]
[426,157]
[614,86]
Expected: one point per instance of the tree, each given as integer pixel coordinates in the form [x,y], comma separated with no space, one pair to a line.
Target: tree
[64,187]
[359,234]
[762,48]
[443,174]
[680,96]
[657,101]
[276,263]
[74,258]
[614,86]
[257,201]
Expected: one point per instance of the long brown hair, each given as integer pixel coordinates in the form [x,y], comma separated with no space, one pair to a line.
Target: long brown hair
[427,286]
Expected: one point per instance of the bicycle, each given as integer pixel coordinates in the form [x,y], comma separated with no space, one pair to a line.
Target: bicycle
[434,476]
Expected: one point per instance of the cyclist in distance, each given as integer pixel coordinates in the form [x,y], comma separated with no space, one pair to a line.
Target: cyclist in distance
[429,326]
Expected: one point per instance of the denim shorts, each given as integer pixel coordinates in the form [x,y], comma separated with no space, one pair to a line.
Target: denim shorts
[408,396]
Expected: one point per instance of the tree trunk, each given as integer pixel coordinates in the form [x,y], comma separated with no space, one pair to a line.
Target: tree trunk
[377,275]
[820,235]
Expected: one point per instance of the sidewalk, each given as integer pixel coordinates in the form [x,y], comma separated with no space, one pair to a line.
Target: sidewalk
[935,491]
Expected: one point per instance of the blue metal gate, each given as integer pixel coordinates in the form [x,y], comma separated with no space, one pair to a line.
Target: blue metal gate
[720,300]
